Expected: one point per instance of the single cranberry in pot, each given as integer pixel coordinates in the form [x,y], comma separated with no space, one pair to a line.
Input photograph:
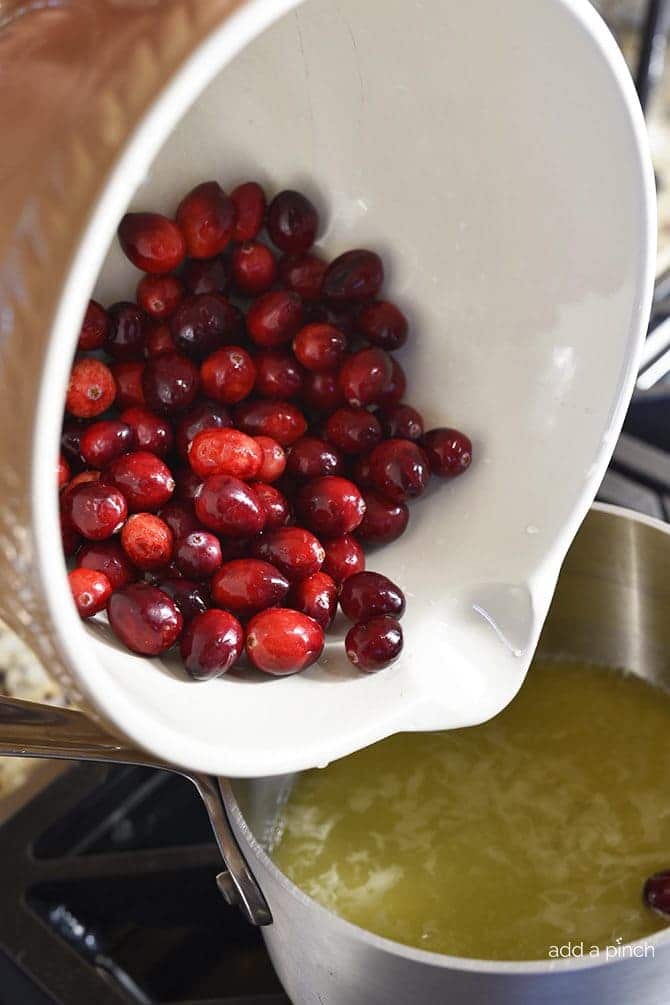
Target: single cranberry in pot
[201,324]
[275,504]
[344,558]
[91,389]
[198,554]
[211,644]
[144,618]
[449,451]
[127,332]
[94,327]
[402,421]
[355,275]
[310,457]
[110,558]
[278,375]
[321,392]
[280,420]
[399,469]
[151,432]
[190,598]
[249,202]
[292,221]
[274,318]
[104,441]
[180,518]
[330,506]
[295,551]
[274,459]
[228,375]
[63,471]
[303,274]
[394,391]
[230,507]
[656,892]
[90,591]
[97,511]
[365,376]
[316,595]
[353,430]
[374,644]
[147,541]
[170,383]
[281,641]
[159,295]
[247,585]
[203,415]
[128,380]
[206,275]
[384,521]
[144,479]
[225,452]
[151,242]
[320,347]
[206,218]
[383,324]
[367,594]
[254,268]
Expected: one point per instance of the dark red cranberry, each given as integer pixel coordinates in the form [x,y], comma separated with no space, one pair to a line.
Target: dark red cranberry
[110,558]
[249,202]
[159,340]
[97,511]
[206,218]
[275,504]
[235,547]
[278,419]
[197,555]
[316,596]
[189,598]
[273,464]
[330,506]
[201,324]
[320,347]
[355,275]
[449,451]
[63,471]
[399,470]
[383,324]
[230,507]
[340,315]
[292,222]
[211,644]
[402,421]
[151,242]
[353,430]
[128,380]
[310,457]
[147,541]
[144,618]
[254,268]
[274,318]
[180,518]
[384,520]
[367,594]
[170,383]
[360,471]
[159,295]
[374,644]
[294,550]
[104,441]
[70,440]
[204,415]
[394,391]
[344,558]
[91,389]
[656,893]
[225,452]
[303,274]
[248,585]
[79,479]
[94,327]
[321,392]
[365,376]
[278,376]
[144,479]
[70,540]
[228,375]
[281,641]
[90,591]
[187,485]
[206,275]
[151,432]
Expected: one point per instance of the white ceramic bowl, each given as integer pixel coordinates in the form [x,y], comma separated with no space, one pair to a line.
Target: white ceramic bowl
[496,156]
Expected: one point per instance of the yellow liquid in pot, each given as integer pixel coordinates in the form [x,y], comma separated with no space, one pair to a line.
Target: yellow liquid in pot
[532,831]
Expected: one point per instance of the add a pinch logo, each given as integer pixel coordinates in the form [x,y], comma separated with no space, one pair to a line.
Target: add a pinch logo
[581,950]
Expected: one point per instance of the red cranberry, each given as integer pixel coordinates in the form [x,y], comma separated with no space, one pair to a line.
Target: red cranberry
[248,585]
[394,391]
[64,472]
[106,440]
[151,432]
[365,376]
[144,618]
[383,324]
[367,594]
[144,479]
[91,389]
[127,332]
[274,318]
[292,221]
[228,375]
[211,644]
[278,376]
[187,485]
[80,479]
[151,242]
[170,383]
[206,218]
[310,457]
[254,268]
[180,518]
[384,520]
[206,275]
[189,598]
[344,558]
[321,392]
[128,380]
[340,315]
[225,452]
[97,511]
[275,504]
[201,324]
[159,340]
[330,506]
[295,551]
[355,275]
[279,419]
[374,644]
[70,540]
[110,558]
[204,415]
[449,451]
[249,202]
[402,421]
[274,459]
[320,347]
[353,430]
[360,471]
[90,590]
[281,641]
[303,274]
[656,893]
[159,295]
[70,440]
[316,596]
[399,470]
[147,541]
[198,554]
[94,327]
[229,507]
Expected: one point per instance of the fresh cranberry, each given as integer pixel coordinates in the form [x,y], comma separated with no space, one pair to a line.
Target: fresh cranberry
[254,268]
[360,471]
[280,420]
[295,551]
[292,221]
[206,218]
[189,598]
[211,644]
[399,470]
[247,585]
[330,506]
[656,893]
[170,383]
[384,521]
[206,275]
[320,347]
[70,440]
[278,376]
[204,415]
[281,641]
[374,644]
[187,485]
[127,332]
[144,618]
[276,505]
[147,541]
[201,324]
[365,376]
[340,315]
[91,389]
[225,452]
[151,242]
[321,392]
[249,202]
[383,324]
[230,507]
[228,375]
[110,558]
[180,518]
[402,421]
[159,295]
[94,327]
[394,391]
[159,340]
[90,590]
[344,558]
[303,274]
[128,380]
[310,457]
[274,318]
[355,275]
[353,430]
[316,596]
[367,594]
[151,432]
[274,459]
[104,441]
[97,511]
[198,554]
[80,479]
[449,451]
[144,479]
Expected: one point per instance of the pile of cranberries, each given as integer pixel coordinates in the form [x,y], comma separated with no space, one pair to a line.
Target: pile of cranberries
[236,435]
